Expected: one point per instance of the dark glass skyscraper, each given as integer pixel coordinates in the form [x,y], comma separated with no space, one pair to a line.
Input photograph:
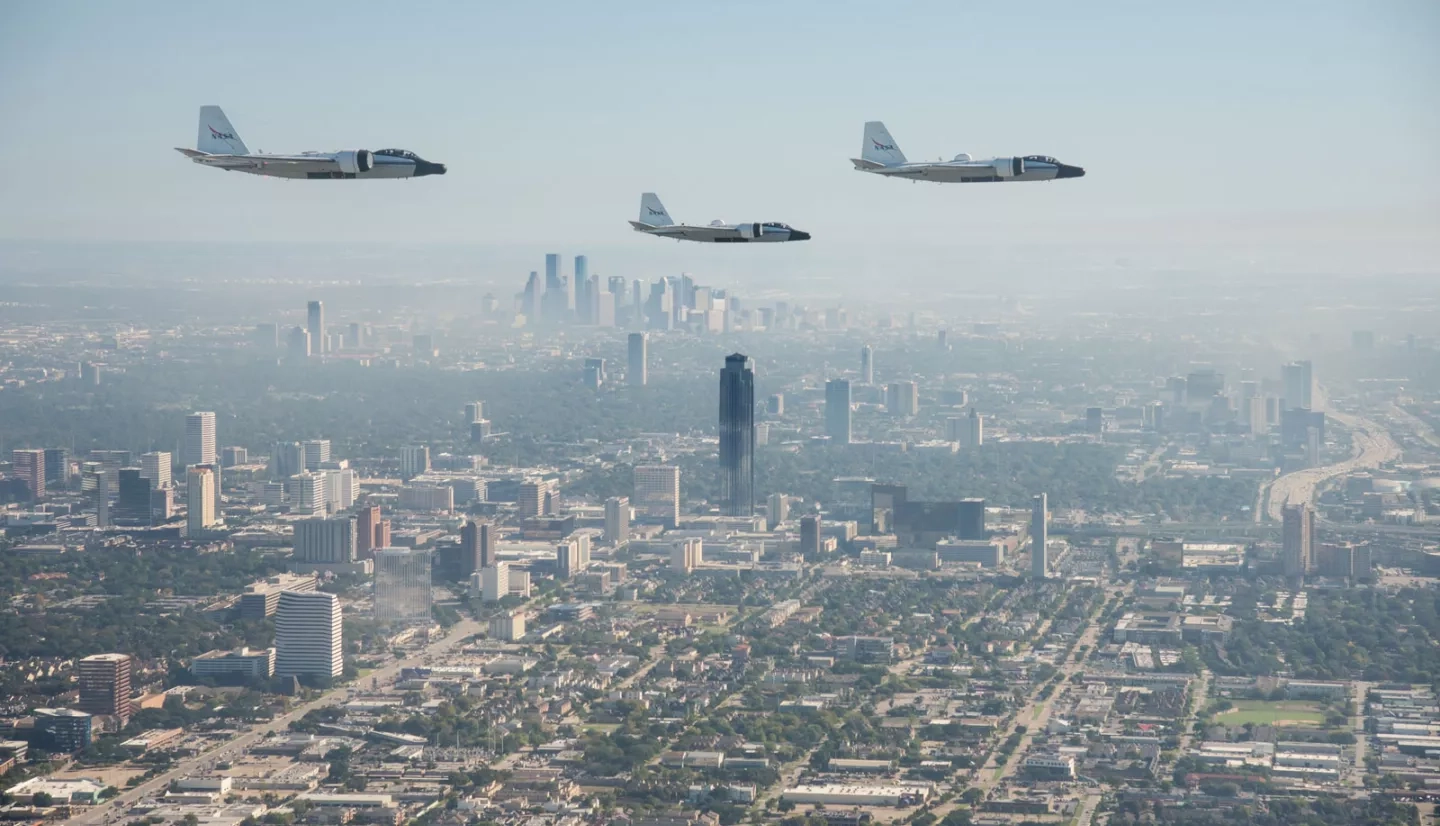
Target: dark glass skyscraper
[837,411]
[737,437]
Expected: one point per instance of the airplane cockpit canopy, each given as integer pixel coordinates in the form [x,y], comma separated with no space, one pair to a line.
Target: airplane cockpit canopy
[775,225]
[399,153]
[1042,159]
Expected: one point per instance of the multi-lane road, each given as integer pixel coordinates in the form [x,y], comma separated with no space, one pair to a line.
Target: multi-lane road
[236,745]
[1373,447]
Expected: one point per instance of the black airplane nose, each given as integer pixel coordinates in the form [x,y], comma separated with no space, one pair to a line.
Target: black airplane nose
[1067,171]
[797,235]
[427,168]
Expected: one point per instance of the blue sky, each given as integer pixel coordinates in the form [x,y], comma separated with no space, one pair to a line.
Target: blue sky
[1237,122]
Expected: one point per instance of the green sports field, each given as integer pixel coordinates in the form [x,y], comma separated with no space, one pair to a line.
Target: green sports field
[1262,712]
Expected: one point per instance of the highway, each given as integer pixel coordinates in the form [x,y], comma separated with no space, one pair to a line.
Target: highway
[1373,448]
[236,745]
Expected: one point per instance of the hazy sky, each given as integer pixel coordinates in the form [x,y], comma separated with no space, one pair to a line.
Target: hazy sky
[1269,124]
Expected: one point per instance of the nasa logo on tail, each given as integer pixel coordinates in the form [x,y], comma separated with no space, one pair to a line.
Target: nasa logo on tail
[654,211]
[220,136]
[883,147]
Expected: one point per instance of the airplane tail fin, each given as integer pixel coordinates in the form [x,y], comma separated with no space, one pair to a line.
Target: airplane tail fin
[217,136]
[652,212]
[879,147]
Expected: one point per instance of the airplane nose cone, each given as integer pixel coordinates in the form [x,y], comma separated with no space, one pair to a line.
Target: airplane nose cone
[1067,171]
[797,235]
[427,168]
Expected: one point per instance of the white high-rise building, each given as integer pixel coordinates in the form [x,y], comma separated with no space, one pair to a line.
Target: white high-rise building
[199,440]
[657,493]
[617,519]
[402,586]
[414,460]
[317,452]
[779,510]
[310,497]
[509,626]
[200,500]
[1039,538]
[156,468]
[325,541]
[686,555]
[308,635]
[342,487]
[495,582]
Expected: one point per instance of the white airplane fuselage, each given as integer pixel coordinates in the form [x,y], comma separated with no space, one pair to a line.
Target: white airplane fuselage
[969,172]
[314,166]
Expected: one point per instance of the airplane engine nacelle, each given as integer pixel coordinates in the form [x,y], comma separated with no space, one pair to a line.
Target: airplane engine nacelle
[750,230]
[962,158]
[353,161]
[1009,167]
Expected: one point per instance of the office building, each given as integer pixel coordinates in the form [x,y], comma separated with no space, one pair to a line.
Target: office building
[1039,538]
[867,365]
[308,635]
[902,398]
[315,327]
[942,340]
[297,345]
[239,665]
[477,546]
[737,437]
[972,519]
[779,510]
[531,500]
[316,453]
[342,487]
[837,411]
[474,412]
[261,599]
[367,523]
[495,582]
[63,730]
[638,364]
[57,467]
[102,499]
[308,494]
[568,561]
[775,405]
[657,494]
[617,520]
[287,459]
[509,626]
[234,456]
[686,555]
[323,541]
[134,502]
[810,537]
[1297,535]
[414,460]
[28,466]
[199,440]
[105,684]
[427,498]
[967,431]
[402,586]
[1299,381]
[200,500]
[266,337]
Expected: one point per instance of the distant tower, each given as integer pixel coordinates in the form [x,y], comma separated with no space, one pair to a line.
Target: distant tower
[617,519]
[199,440]
[657,493]
[837,411]
[779,510]
[638,367]
[1299,378]
[943,340]
[299,344]
[867,365]
[737,437]
[974,430]
[414,460]
[308,635]
[317,453]
[315,326]
[1297,536]
[477,547]
[29,468]
[200,499]
[810,537]
[402,586]
[1039,536]
[105,684]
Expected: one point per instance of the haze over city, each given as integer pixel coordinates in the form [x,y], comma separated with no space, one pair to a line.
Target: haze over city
[432,471]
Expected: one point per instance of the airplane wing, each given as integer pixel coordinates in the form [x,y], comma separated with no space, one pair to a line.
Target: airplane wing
[865,165]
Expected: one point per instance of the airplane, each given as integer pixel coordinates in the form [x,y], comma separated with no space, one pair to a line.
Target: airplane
[880,155]
[219,146]
[654,220]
